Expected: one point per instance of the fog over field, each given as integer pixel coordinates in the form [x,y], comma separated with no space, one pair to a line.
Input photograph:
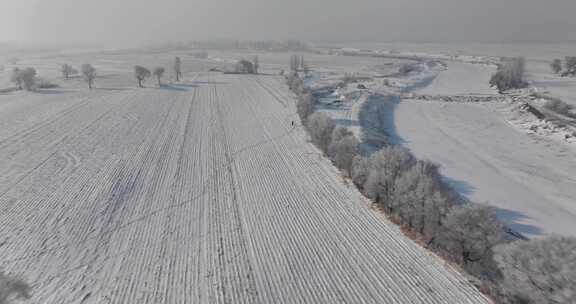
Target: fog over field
[140,21]
[272,151]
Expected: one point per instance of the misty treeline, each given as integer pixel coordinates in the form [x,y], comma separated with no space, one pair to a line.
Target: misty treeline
[566,68]
[510,74]
[263,45]
[413,194]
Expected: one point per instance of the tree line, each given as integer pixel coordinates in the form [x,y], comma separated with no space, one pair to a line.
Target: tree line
[413,194]
[26,78]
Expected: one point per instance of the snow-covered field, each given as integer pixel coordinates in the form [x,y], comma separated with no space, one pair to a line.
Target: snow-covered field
[198,192]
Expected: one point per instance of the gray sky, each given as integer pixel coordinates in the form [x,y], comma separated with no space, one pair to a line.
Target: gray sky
[125,22]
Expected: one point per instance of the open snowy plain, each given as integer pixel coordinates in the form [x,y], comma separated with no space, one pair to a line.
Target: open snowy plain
[196,192]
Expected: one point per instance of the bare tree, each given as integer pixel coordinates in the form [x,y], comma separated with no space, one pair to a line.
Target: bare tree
[12,289]
[89,74]
[178,68]
[540,270]
[67,70]
[471,232]
[158,73]
[141,73]
[556,66]
[321,127]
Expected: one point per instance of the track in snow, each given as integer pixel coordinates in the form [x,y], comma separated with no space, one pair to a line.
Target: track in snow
[205,194]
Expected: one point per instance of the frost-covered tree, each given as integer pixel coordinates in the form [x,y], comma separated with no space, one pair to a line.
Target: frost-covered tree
[385,166]
[158,73]
[12,289]
[556,66]
[339,133]
[178,68]
[89,74]
[510,74]
[256,64]
[305,106]
[67,71]
[295,83]
[320,126]
[471,232]
[421,199]
[24,78]
[342,151]
[569,66]
[244,66]
[16,78]
[28,78]
[360,171]
[141,73]
[539,271]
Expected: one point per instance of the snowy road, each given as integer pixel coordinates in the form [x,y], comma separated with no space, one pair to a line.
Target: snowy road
[199,193]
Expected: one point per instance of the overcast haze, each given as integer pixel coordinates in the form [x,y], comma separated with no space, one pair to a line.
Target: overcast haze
[139,21]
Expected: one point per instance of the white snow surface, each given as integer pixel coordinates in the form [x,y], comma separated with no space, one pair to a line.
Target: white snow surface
[530,181]
[461,79]
[199,192]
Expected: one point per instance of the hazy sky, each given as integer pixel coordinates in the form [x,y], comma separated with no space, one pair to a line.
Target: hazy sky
[137,21]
